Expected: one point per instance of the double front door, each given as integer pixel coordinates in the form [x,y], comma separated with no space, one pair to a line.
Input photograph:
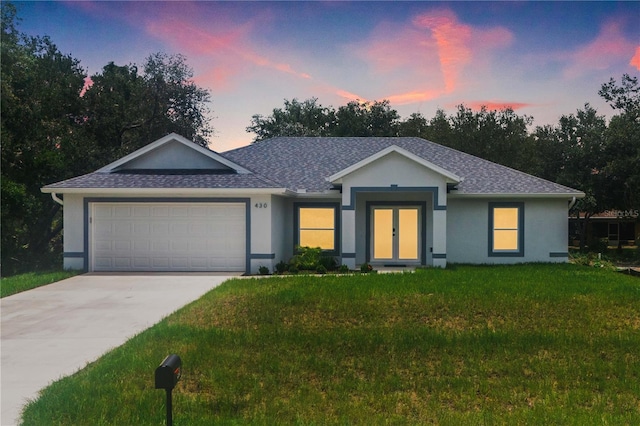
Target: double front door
[395,234]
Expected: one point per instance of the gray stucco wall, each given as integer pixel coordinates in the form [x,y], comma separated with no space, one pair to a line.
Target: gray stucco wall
[174,156]
[73,237]
[281,231]
[545,231]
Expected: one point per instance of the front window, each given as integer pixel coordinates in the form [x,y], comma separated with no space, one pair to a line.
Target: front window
[506,233]
[317,226]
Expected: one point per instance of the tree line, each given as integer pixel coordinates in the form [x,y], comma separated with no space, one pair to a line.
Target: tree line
[56,122]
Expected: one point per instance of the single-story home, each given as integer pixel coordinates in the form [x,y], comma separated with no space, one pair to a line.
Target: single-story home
[175,206]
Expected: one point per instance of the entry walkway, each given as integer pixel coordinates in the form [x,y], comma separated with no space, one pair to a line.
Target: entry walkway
[53,331]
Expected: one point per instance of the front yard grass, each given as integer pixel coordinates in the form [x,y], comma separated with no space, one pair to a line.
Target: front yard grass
[23,282]
[529,344]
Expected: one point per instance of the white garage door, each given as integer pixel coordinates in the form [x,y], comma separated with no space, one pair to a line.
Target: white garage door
[168,237]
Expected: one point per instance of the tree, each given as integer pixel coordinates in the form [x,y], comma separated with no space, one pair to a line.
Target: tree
[359,118]
[498,136]
[550,158]
[40,107]
[114,114]
[622,150]
[126,110]
[175,103]
[307,118]
[582,140]
[416,126]
[440,130]
[625,97]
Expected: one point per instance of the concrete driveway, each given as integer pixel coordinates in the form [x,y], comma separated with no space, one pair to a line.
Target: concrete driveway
[53,331]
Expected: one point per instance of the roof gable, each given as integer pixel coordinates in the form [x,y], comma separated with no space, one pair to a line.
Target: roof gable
[173,152]
[337,177]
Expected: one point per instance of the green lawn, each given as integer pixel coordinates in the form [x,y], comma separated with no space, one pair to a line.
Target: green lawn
[531,344]
[24,282]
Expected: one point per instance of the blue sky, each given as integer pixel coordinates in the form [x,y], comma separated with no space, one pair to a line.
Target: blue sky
[544,59]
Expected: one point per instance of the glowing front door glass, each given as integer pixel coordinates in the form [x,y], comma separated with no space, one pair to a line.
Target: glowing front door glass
[396,233]
[383,234]
[407,233]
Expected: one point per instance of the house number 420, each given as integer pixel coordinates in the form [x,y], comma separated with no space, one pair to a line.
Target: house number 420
[261,205]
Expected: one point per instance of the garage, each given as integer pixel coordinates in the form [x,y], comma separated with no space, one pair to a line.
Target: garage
[168,236]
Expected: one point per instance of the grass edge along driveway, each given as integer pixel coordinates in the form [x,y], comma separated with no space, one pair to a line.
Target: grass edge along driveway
[23,282]
[528,344]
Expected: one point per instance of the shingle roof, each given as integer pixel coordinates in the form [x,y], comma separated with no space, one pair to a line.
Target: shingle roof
[306,162]
[163,180]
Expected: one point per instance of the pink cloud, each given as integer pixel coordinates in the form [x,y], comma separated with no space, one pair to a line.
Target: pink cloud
[192,39]
[225,49]
[216,78]
[349,96]
[428,56]
[635,61]
[223,54]
[392,47]
[414,97]
[452,41]
[228,51]
[609,47]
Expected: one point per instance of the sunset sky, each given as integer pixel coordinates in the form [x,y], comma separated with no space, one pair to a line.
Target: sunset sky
[544,59]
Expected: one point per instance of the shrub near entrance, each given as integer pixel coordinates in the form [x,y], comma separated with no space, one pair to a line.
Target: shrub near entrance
[312,259]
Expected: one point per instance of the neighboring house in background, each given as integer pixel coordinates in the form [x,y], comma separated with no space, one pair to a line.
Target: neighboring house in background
[612,226]
[175,206]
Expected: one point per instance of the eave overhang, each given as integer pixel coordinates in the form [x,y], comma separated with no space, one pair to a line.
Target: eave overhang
[173,192]
[567,195]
